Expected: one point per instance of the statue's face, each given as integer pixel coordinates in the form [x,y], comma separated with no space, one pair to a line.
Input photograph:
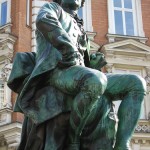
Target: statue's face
[73,4]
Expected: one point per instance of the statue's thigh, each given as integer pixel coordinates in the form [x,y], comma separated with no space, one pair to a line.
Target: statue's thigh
[70,80]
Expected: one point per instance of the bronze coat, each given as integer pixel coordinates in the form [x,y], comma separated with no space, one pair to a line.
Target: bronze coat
[56,29]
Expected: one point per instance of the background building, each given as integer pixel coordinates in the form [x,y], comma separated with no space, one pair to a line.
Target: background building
[118,28]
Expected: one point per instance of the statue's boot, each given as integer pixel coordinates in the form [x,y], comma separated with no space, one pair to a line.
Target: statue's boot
[78,119]
[128,115]
[83,105]
[90,88]
[99,133]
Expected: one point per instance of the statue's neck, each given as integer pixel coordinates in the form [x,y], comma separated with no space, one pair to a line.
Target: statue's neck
[71,12]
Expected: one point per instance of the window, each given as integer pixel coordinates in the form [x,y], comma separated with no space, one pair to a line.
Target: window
[125,17]
[4,12]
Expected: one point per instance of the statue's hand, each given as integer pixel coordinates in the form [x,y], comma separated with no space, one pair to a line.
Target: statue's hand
[65,63]
[97,60]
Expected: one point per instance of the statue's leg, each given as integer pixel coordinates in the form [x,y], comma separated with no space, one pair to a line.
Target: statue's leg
[87,85]
[128,114]
[99,133]
[131,90]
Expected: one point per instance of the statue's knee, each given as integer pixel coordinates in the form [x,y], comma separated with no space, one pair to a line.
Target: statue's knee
[97,83]
[139,83]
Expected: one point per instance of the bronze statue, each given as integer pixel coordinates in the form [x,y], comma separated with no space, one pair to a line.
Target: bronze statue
[66,103]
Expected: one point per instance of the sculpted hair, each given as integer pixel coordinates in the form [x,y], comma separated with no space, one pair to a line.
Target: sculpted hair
[59,2]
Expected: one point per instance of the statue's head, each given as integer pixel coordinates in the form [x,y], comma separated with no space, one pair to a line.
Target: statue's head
[73,4]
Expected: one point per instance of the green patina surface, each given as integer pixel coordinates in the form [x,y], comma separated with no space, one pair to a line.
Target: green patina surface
[66,99]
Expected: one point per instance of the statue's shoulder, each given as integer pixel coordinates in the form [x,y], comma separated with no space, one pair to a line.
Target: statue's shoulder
[50,8]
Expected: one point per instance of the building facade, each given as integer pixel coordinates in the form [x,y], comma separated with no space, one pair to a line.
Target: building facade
[118,28]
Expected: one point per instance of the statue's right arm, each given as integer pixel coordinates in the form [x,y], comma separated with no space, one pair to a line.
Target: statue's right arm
[49,25]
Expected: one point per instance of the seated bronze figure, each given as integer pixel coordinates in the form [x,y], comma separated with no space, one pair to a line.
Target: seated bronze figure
[66,99]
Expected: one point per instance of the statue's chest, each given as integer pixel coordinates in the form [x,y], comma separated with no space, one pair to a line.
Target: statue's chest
[70,25]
